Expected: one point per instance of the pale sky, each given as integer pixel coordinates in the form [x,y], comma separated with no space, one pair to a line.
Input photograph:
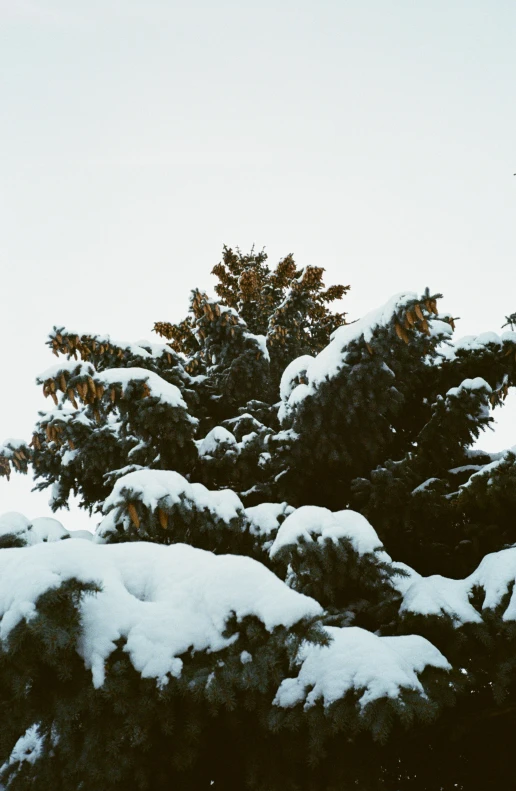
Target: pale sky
[374,138]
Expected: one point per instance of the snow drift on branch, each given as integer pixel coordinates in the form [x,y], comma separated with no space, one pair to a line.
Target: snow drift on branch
[329,362]
[38,530]
[437,595]
[159,388]
[311,522]
[359,660]
[479,342]
[163,600]
[215,440]
[165,489]
[264,519]
[311,372]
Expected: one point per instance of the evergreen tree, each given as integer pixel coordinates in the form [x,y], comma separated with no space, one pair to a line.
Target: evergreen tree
[237,620]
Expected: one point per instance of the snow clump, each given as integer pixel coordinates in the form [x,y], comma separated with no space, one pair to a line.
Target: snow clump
[163,600]
[312,522]
[358,660]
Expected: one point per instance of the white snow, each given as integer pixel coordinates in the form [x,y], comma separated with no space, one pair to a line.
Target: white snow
[358,660]
[261,342]
[163,599]
[466,468]
[264,518]
[75,367]
[475,453]
[329,361]
[247,417]
[218,436]
[311,521]
[14,443]
[297,395]
[38,530]
[470,384]
[164,391]
[423,486]
[10,445]
[17,524]
[327,364]
[85,535]
[139,348]
[64,414]
[404,579]
[287,435]
[437,327]
[498,458]
[477,342]
[47,529]
[33,532]
[246,439]
[68,456]
[436,595]
[164,489]
[28,748]
[291,374]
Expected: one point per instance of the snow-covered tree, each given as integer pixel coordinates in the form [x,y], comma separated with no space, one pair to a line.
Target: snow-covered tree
[303,571]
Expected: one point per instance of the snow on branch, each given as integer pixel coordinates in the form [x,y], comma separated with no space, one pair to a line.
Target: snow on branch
[80,381]
[294,374]
[311,522]
[16,529]
[437,595]
[470,385]
[355,659]
[96,346]
[406,305]
[163,601]
[15,452]
[218,440]
[157,386]
[405,315]
[265,518]
[28,748]
[161,492]
[486,471]
[476,343]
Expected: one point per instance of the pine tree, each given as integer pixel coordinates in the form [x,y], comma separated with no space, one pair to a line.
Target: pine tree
[303,571]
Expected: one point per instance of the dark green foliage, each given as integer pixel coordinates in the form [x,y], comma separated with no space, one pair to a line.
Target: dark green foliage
[487,503]
[11,540]
[131,734]
[288,305]
[40,669]
[371,410]
[351,587]
[182,522]
[225,357]
[107,427]
[388,431]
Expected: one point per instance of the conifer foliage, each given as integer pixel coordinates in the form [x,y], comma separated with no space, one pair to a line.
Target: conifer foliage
[303,570]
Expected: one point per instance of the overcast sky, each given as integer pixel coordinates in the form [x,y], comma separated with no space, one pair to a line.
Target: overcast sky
[374,138]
